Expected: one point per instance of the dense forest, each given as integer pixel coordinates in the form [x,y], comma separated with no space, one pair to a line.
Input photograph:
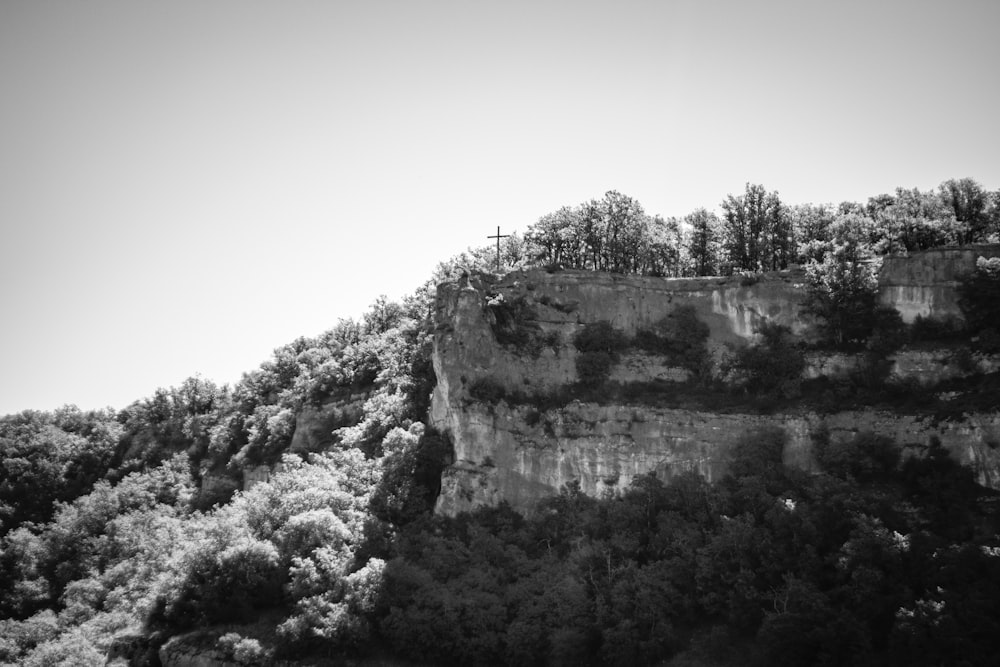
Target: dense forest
[112,539]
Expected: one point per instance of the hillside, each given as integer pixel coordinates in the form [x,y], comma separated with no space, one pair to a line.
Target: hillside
[588,458]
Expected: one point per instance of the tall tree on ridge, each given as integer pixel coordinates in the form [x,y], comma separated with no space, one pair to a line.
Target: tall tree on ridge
[702,242]
[970,203]
[756,231]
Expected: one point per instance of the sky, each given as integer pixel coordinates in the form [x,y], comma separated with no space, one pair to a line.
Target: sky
[186,186]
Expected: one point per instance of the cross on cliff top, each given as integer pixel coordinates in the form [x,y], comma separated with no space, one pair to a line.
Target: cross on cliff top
[498,237]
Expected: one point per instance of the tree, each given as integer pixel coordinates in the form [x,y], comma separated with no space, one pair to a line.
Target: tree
[702,242]
[613,230]
[757,231]
[969,203]
[556,239]
[811,228]
[910,221]
[843,285]
[660,247]
[608,234]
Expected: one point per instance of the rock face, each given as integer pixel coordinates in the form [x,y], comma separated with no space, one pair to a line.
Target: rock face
[499,456]
[466,348]
[521,453]
[923,283]
[314,425]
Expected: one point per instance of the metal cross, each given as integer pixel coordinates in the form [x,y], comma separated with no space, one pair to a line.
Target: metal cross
[498,237]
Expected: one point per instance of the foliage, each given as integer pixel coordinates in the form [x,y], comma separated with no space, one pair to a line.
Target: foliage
[811,228]
[514,324]
[599,345]
[873,561]
[680,336]
[795,569]
[244,650]
[910,220]
[979,298]
[771,366]
[758,232]
[843,285]
[930,329]
[969,203]
[51,457]
[865,457]
[487,390]
[608,234]
[702,243]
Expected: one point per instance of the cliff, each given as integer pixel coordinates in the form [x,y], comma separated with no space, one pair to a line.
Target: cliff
[923,283]
[522,451]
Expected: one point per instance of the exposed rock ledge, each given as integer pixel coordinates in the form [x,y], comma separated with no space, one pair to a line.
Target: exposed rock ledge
[499,456]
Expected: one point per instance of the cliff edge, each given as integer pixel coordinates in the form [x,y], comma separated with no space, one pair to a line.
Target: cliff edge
[503,348]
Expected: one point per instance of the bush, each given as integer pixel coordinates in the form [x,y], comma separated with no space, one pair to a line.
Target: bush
[227,585]
[680,336]
[593,368]
[934,329]
[979,295]
[888,331]
[599,345]
[865,457]
[514,324]
[487,390]
[770,367]
[513,321]
[989,340]
[758,453]
[600,337]
[244,650]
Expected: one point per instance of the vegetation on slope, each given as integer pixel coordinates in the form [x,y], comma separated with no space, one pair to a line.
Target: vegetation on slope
[128,524]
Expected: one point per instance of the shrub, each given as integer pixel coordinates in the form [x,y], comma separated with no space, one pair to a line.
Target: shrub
[865,457]
[979,295]
[593,368]
[934,329]
[600,345]
[244,650]
[513,321]
[843,287]
[773,366]
[487,390]
[514,324]
[600,337]
[888,331]
[680,336]
[759,449]
[989,340]
[226,585]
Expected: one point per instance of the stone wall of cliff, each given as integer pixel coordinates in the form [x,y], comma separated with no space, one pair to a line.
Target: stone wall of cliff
[521,453]
[923,283]
[518,455]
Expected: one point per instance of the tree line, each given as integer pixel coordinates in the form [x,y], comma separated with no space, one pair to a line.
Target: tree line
[755,232]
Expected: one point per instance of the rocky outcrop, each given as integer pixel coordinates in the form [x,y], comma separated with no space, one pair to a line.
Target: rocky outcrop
[519,452]
[922,284]
[924,367]
[180,652]
[562,303]
[314,424]
[521,455]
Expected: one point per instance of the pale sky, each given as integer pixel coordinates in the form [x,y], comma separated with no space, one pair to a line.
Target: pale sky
[187,185]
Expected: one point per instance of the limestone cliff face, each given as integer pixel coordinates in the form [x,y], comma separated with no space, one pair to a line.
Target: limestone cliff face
[522,454]
[466,348]
[923,283]
[499,456]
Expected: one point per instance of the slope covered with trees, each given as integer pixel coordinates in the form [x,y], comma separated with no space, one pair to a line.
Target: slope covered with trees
[111,538]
